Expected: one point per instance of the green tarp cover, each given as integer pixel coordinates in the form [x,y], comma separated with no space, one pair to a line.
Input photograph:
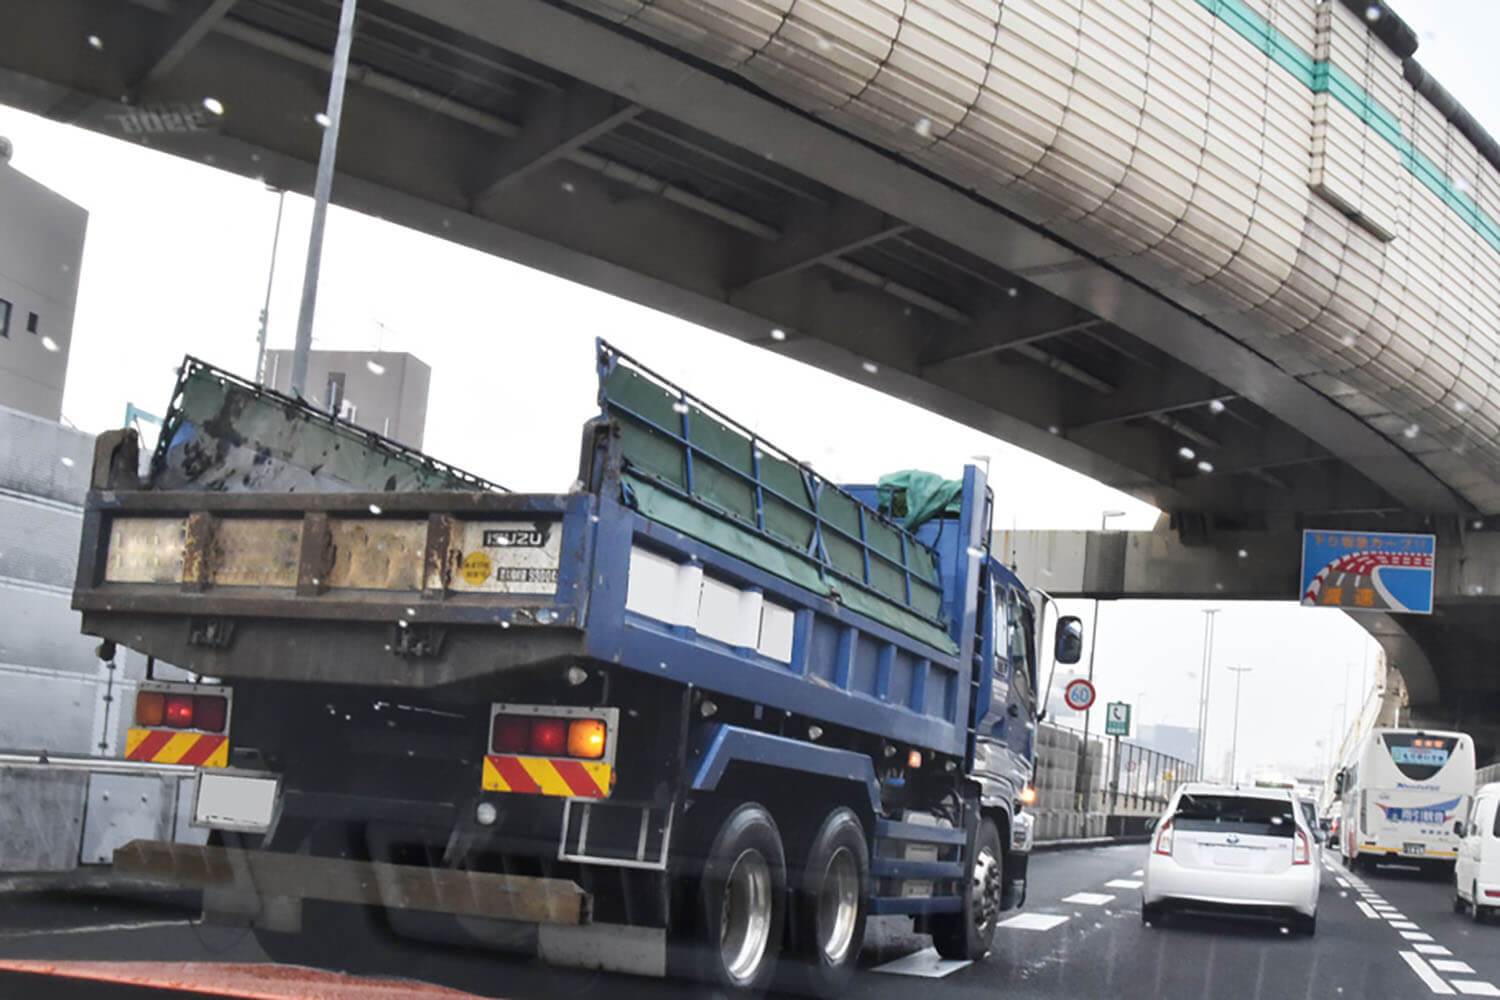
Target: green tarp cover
[927,495]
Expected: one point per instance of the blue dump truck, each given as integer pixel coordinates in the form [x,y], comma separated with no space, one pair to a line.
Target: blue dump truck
[700,715]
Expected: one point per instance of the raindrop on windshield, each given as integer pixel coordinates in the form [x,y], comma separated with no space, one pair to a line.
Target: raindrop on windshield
[778,334]
[1012,291]
[1459,406]
[1053,429]
[374,508]
[375,367]
[975,551]
[66,461]
[870,367]
[568,187]
[924,127]
[50,344]
[95,42]
[322,119]
[822,43]
[505,624]
[1186,454]
[401,622]
[679,407]
[1205,466]
[1243,554]
[1348,340]
[412,612]
[1372,14]
[213,105]
[1216,406]
[1411,431]
[1477,525]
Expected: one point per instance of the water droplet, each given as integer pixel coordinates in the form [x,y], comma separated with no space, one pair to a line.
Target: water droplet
[1410,431]
[316,581]
[1205,466]
[870,367]
[322,119]
[975,552]
[924,127]
[65,460]
[1053,429]
[1459,406]
[593,518]
[568,187]
[1348,340]
[1218,586]
[375,509]
[1243,554]
[1186,454]
[1372,14]
[1477,525]
[1012,291]
[412,612]
[51,345]
[505,624]
[822,43]
[95,42]
[1216,406]
[778,334]
[213,105]
[375,367]
[401,622]
[679,407]
[1478,588]
[546,616]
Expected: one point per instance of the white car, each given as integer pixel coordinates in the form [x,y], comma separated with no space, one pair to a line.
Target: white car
[1223,850]
[1477,871]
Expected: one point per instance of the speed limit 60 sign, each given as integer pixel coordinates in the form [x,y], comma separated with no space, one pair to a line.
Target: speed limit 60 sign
[1079,695]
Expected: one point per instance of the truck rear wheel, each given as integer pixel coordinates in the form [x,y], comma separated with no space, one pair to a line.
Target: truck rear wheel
[967,934]
[738,908]
[826,925]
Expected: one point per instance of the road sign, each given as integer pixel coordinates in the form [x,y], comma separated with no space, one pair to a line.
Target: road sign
[1368,571]
[1117,719]
[1079,695]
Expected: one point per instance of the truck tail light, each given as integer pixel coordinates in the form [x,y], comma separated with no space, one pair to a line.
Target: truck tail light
[1164,839]
[150,708]
[210,712]
[1301,851]
[586,739]
[179,714]
[512,734]
[549,737]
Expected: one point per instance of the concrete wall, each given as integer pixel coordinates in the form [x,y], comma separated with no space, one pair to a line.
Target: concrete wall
[390,399]
[41,254]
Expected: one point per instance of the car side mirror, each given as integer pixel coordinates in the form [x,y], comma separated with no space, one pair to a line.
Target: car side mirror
[1458,828]
[1069,645]
[1151,824]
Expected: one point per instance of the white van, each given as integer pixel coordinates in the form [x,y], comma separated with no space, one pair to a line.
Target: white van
[1477,873]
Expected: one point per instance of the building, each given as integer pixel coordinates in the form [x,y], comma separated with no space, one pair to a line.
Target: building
[41,254]
[381,391]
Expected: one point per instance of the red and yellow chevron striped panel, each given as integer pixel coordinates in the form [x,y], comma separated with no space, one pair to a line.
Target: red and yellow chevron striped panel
[172,746]
[579,779]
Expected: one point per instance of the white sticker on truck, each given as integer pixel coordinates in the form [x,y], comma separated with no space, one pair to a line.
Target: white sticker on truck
[507,557]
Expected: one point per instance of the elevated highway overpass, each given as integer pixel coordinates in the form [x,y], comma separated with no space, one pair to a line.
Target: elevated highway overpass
[1236,257]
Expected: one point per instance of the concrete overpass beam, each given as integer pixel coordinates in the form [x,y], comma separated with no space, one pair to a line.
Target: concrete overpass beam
[816,238]
[185,30]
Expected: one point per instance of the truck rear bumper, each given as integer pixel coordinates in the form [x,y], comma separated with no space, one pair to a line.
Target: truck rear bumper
[266,888]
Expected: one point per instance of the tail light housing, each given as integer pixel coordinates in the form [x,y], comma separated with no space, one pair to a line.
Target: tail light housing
[579,733]
[182,710]
[1163,842]
[549,737]
[1301,850]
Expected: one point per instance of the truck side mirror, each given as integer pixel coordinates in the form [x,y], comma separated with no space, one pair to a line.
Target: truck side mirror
[1458,828]
[1069,646]
[1338,783]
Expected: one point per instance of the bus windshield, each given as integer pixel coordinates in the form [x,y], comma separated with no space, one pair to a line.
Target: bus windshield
[1418,756]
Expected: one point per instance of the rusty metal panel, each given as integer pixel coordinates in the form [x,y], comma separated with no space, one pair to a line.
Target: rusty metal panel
[376,554]
[255,552]
[146,550]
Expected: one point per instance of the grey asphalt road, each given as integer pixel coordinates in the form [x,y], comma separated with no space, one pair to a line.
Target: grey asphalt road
[1391,934]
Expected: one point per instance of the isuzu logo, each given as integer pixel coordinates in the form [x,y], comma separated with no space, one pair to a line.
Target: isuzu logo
[515,538]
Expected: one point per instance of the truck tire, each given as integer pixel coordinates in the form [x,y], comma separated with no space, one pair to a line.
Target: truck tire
[826,918]
[968,933]
[736,917]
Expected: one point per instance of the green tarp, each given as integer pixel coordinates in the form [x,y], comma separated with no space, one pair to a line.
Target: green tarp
[916,497]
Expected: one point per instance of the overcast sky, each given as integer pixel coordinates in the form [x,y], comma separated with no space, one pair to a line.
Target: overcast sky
[176,262]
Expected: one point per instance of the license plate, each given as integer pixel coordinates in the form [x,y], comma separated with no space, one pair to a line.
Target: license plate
[243,803]
[1414,850]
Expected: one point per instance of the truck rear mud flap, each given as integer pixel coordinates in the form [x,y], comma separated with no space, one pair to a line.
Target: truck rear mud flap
[266,888]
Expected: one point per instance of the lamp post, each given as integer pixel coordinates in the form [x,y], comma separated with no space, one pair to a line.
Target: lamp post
[265,311]
[1083,784]
[1234,743]
[1203,687]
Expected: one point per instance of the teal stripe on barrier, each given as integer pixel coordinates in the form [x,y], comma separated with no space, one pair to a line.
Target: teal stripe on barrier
[1322,77]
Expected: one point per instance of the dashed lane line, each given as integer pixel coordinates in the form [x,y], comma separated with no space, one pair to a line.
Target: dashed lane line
[1088,898]
[1365,909]
[1432,949]
[926,963]
[1430,979]
[1416,935]
[1476,988]
[1452,965]
[1033,921]
[139,925]
[1404,925]
[1123,883]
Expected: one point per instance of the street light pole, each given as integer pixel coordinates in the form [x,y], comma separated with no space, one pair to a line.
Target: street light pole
[265,312]
[1203,687]
[1234,744]
[1082,783]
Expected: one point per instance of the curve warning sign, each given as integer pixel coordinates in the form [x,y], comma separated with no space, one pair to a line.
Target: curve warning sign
[1368,571]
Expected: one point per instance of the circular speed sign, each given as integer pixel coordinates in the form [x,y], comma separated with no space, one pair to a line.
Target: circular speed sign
[1079,695]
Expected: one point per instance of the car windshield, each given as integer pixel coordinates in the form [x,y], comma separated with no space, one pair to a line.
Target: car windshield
[1235,814]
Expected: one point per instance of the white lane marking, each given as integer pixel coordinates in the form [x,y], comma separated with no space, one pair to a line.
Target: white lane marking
[1416,935]
[1476,988]
[1404,925]
[1432,979]
[1432,949]
[1365,909]
[1088,898]
[1123,883]
[1033,921]
[926,963]
[95,929]
[1343,882]
[1452,965]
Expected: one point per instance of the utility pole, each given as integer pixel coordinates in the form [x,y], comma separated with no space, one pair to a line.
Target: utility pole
[322,188]
[1203,687]
[1083,782]
[265,311]
[1234,745]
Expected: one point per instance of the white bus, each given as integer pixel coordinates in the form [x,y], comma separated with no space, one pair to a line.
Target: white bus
[1401,791]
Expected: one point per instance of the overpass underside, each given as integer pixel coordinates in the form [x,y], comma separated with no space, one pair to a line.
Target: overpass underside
[603,153]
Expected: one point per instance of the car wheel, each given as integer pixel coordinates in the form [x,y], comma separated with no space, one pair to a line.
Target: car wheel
[968,933]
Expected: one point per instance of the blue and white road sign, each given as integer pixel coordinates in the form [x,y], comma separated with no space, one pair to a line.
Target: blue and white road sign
[1368,571]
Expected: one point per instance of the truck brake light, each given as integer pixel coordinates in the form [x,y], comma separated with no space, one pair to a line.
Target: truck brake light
[180,711]
[549,736]
[158,710]
[512,734]
[210,712]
